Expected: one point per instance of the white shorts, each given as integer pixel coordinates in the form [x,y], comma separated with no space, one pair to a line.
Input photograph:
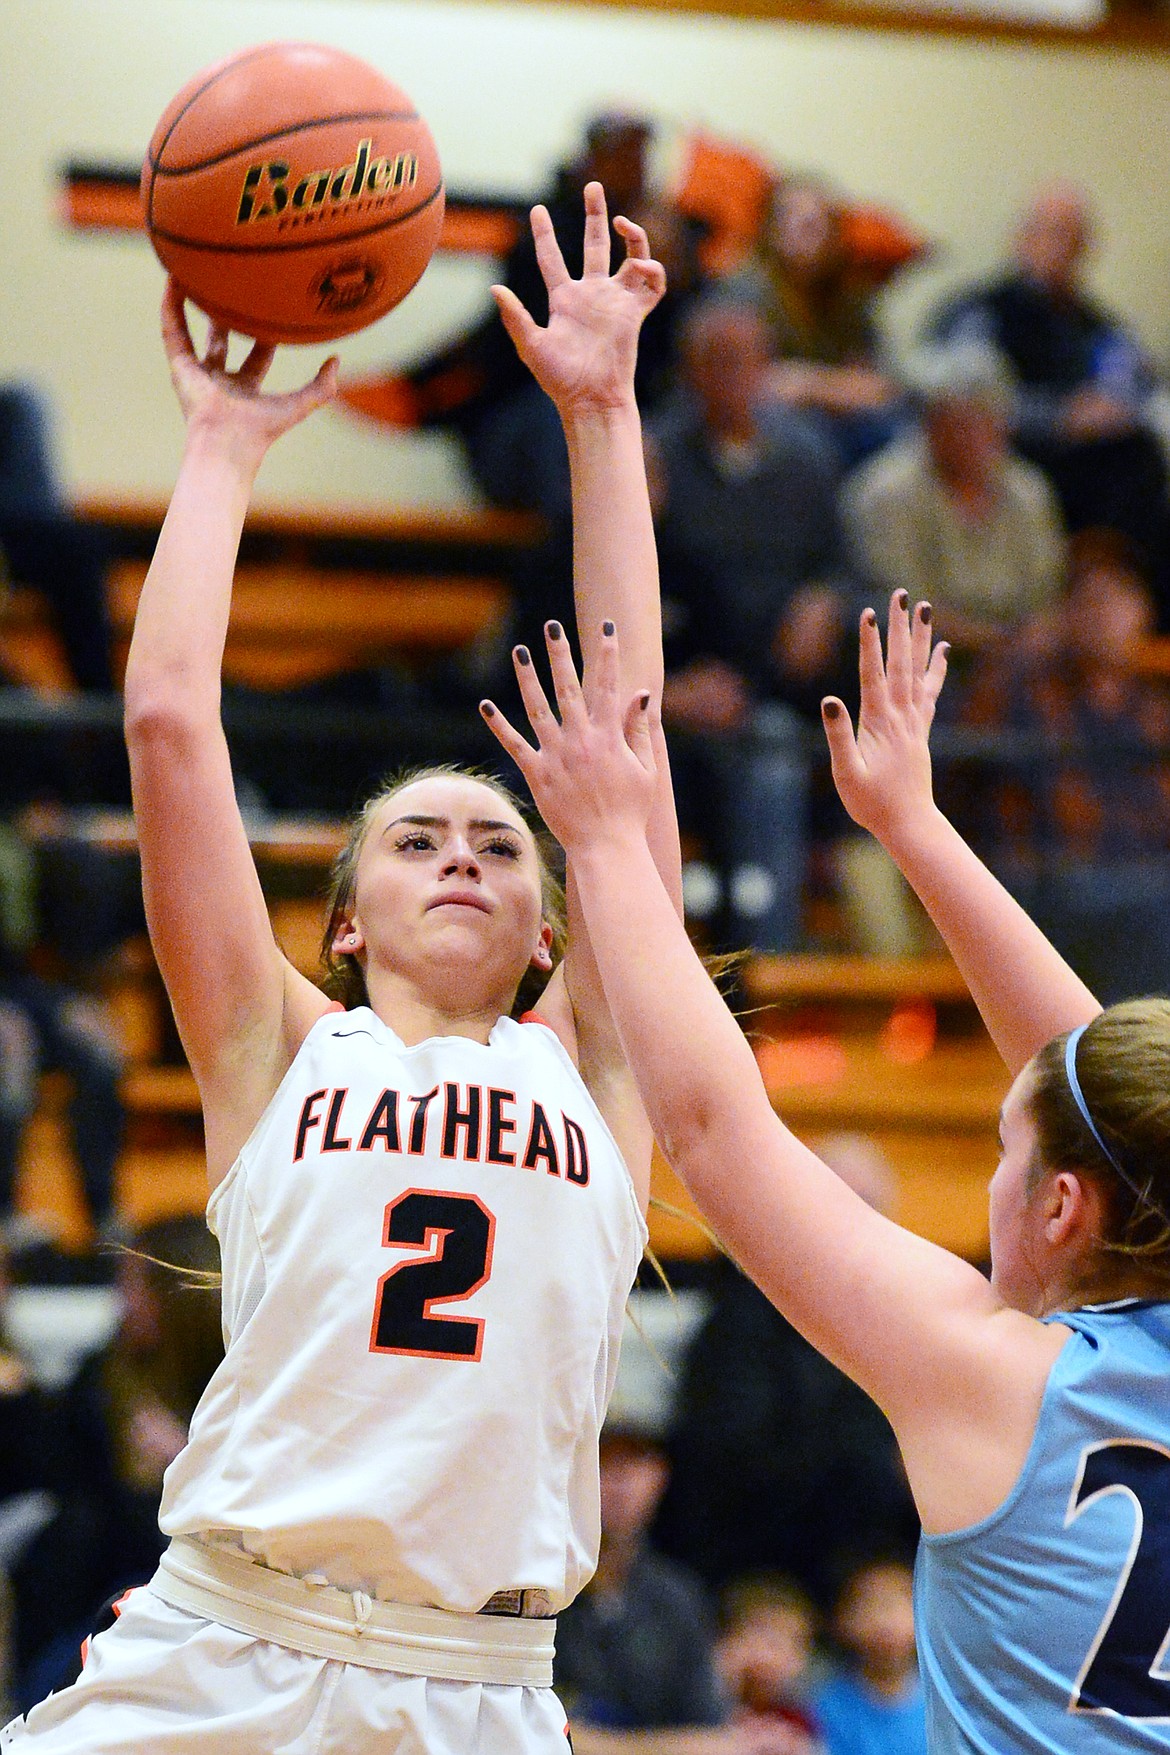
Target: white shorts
[163,1681]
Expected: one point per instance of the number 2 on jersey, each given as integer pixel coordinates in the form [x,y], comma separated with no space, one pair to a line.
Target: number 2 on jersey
[457,1232]
[1124,1671]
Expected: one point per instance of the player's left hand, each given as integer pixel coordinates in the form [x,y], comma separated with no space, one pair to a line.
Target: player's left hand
[585,358]
[592,773]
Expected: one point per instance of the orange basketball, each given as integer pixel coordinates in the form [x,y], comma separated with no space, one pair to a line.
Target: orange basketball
[293,192]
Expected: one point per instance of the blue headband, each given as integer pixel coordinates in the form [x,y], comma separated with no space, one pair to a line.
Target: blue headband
[1074,1085]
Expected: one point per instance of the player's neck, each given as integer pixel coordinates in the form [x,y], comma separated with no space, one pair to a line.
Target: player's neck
[416,1014]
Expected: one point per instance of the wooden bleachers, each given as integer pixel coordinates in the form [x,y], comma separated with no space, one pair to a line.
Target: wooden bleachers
[317,591]
[295,625]
[890,1048]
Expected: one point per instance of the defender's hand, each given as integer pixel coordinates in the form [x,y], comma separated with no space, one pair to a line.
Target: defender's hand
[883,774]
[592,773]
[585,358]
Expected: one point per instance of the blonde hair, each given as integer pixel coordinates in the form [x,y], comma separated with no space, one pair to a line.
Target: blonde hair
[1123,1067]
[343,976]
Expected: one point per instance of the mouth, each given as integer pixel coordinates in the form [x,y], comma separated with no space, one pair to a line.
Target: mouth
[460,899]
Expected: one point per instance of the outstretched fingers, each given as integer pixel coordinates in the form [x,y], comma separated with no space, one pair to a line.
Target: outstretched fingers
[605,679]
[566,682]
[899,662]
[597,251]
[921,631]
[639,271]
[843,751]
[935,675]
[540,715]
[510,740]
[634,236]
[176,331]
[872,668]
[217,348]
[516,318]
[254,369]
[548,252]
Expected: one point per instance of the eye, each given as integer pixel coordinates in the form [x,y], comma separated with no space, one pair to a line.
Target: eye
[504,847]
[417,841]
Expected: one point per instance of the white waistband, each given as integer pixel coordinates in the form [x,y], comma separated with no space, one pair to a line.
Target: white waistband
[240,1592]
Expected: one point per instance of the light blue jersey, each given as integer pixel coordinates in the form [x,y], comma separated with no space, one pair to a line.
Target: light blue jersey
[1046,1626]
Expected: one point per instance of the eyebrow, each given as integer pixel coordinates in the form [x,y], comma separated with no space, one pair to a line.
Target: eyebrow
[476,823]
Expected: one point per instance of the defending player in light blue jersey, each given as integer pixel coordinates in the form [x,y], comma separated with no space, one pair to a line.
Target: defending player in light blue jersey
[1033,1412]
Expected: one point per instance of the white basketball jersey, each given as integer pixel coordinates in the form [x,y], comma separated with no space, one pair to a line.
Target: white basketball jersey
[426,1258]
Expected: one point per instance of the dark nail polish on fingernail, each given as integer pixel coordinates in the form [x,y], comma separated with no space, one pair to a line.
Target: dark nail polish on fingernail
[869,618]
[523,655]
[607,629]
[924,612]
[903,600]
[945,648]
[486,709]
[554,630]
[830,709]
[643,702]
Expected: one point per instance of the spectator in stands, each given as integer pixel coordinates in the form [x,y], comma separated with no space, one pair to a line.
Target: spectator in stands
[1082,832]
[113,1431]
[779,1460]
[45,1026]
[820,319]
[41,544]
[947,514]
[764,1653]
[634,1649]
[757,604]
[634,1659]
[1084,384]
[874,1705]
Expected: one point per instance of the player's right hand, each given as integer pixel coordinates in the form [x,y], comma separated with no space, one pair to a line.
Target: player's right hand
[234,403]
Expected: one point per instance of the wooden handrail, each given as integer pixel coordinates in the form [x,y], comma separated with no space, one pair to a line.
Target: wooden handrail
[487,527]
[772,980]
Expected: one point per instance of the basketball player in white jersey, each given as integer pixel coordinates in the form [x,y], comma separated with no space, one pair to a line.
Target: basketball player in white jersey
[430,1213]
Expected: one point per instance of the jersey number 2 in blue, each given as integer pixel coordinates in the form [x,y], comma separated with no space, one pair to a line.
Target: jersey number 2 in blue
[456,1231]
[1123,1672]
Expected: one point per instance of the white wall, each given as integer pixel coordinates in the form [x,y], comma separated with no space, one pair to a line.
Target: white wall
[951,131]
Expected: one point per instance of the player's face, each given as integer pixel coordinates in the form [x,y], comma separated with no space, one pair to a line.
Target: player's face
[448,879]
[1018,1264]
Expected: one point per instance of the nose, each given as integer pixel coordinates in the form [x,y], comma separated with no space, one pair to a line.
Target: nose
[461,860]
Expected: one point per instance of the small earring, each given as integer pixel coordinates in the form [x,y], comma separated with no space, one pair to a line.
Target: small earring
[352,939]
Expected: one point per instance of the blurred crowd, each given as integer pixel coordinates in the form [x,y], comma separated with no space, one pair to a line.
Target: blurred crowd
[1011,469]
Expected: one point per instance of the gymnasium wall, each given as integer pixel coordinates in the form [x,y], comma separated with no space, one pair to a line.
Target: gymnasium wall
[951,131]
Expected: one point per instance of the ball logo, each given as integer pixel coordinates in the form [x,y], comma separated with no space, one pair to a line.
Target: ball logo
[346,285]
[269,191]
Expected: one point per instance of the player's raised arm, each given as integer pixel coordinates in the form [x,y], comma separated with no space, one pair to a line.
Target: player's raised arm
[584,360]
[240,1008]
[958,1373]
[1025,991]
